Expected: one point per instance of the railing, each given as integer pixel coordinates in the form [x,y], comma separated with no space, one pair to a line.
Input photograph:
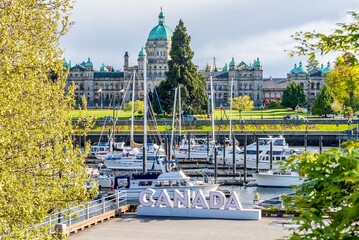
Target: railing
[77,214]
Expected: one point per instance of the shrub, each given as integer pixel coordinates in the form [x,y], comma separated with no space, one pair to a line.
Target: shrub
[274,105]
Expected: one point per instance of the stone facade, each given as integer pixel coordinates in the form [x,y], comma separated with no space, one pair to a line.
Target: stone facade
[247,80]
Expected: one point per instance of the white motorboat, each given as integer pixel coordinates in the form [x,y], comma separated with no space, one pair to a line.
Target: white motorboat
[278,179]
[280,152]
[137,182]
[98,148]
[154,154]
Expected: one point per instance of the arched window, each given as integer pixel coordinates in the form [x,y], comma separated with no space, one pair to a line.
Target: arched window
[318,85]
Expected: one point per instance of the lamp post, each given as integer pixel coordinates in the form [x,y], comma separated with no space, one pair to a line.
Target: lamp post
[297,109]
[100,91]
[309,87]
[349,126]
[262,107]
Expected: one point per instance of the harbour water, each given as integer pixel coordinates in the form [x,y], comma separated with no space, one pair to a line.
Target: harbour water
[246,193]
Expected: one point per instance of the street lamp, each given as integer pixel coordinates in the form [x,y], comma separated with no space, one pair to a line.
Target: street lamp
[309,87]
[297,109]
[100,91]
[349,126]
[262,107]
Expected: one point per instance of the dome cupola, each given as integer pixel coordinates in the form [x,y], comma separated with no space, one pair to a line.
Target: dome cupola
[161,31]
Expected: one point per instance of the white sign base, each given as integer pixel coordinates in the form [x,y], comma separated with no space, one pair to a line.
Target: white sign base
[244,214]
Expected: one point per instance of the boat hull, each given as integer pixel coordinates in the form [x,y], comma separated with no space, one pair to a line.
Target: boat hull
[272,180]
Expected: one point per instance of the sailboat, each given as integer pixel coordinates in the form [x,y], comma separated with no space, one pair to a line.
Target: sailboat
[132,158]
[169,179]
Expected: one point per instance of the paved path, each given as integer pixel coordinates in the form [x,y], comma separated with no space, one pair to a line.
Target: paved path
[131,227]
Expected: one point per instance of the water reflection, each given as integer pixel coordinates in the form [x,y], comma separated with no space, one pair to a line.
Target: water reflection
[246,194]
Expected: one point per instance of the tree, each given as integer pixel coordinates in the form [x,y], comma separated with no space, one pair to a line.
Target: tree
[138,106]
[336,107]
[330,189]
[343,39]
[293,95]
[242,103]
[182,72]
[344,82]
[40,169]
[322,103]
[312,65]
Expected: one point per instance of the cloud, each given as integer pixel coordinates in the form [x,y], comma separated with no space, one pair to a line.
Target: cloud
[243,29]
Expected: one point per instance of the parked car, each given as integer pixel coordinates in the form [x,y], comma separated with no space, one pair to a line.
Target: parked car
[189,117]
[292,117]
[108,119]
[288,117]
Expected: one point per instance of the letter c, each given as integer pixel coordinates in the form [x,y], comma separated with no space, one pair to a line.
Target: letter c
[143,197]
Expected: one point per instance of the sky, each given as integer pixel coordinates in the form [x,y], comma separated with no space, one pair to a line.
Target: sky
[240,29]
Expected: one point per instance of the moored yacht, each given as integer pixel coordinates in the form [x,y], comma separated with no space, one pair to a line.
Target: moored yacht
[128,162]
[280,152]
[137,182]
[278,179]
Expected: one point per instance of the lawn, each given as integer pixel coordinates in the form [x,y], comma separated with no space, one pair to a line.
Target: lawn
[218,114]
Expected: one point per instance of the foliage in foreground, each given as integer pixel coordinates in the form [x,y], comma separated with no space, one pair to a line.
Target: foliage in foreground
[40,170]
[331,189]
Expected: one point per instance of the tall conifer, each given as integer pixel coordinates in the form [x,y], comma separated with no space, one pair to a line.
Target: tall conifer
[182,72]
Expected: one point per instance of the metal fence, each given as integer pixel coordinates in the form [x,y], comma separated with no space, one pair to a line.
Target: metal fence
[76,214]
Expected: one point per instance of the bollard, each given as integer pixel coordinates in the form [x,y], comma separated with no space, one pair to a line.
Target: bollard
[61,231]
[256,198]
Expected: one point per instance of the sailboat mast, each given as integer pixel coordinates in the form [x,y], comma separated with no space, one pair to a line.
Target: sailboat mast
[144,162]
[179,111]
[173,123]
[133,108]
[230,113]
[212,108]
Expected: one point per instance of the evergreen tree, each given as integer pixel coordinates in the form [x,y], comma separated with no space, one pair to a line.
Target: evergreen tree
[293,95]
[182,72]
[40,170]
[322,103]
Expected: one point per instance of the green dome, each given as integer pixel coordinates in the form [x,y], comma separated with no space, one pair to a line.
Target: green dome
[225,68]
[88,63]
[142,53]
[299,69]
[161,31]
[326,69]
[103,68]
[232,63]
[65,64]
[257,63]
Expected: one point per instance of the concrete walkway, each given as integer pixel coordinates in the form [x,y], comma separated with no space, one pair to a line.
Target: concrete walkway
[131,227]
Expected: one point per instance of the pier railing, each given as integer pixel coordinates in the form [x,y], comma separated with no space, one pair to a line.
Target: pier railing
[84,212]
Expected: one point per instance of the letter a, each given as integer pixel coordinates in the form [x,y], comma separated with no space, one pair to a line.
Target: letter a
[164,199]
[199,201]
[233,201]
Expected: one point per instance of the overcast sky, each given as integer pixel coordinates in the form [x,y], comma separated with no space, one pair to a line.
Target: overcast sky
[243,29]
